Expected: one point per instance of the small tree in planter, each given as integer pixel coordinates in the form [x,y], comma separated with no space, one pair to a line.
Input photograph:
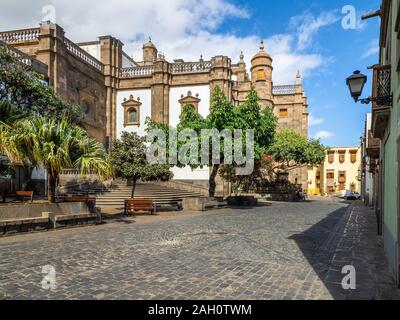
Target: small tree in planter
[128,159]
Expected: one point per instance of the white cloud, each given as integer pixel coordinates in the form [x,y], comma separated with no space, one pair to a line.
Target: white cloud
[313,121]
[324,135]
[373,48]
[180,29]
[307,26]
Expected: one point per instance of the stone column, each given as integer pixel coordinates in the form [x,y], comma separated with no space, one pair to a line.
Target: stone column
[221,74]
[52,52]
[160,92]
[111,57]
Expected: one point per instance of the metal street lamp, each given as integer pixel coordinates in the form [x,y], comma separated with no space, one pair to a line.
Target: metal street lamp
[356,83]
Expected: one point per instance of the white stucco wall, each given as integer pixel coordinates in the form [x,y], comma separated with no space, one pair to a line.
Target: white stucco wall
[93,50]
[145,110]
[175,110]
[175,94]
[38,174]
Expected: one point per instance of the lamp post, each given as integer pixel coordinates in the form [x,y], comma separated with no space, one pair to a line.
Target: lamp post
[356,83]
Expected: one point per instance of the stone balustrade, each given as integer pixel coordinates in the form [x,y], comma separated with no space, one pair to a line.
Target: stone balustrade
[190,67]
[82,54]
[20,35]
[133,72]
[24,59]
[174,68]
[288,89]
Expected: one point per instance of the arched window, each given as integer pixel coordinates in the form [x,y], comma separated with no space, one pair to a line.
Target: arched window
[131,111]
[191,105]
[261,75]
[190,100]
[85,106]
[133,115]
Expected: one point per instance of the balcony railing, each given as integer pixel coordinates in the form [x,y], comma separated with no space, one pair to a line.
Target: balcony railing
[381,88]
[20,35]
[82,54]
[190,67]
[373,146]
[135,72]
[25,60]
[282,90]
[382,103]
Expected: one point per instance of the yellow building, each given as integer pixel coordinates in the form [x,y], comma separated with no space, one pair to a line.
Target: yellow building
[339,172]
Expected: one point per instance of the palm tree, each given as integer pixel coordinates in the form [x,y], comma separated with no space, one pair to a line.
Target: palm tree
[55,145]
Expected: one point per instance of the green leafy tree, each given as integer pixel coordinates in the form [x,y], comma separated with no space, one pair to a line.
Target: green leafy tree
[128,159]
[6,168]
[225,116]
[55,145]
[24,93]
[291,150]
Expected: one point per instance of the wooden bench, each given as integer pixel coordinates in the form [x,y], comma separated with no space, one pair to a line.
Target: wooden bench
[19,195]
[24,195]
[89,200]
[134,205]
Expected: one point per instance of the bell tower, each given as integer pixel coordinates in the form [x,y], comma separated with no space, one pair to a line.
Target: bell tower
[149,53]
[261,76]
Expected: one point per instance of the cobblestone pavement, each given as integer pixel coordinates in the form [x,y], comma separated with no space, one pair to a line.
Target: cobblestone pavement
[279,251]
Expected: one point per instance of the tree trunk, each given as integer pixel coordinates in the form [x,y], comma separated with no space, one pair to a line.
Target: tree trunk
[212,184]
[52,188]
[133,189]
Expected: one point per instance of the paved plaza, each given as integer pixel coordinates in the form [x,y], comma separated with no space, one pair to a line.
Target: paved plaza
[274,251]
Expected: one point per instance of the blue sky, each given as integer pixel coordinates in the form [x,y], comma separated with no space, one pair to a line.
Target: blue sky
[299,34]
[330,105]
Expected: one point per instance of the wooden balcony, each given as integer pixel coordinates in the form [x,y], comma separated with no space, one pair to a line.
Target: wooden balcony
[373,146]
[381,107]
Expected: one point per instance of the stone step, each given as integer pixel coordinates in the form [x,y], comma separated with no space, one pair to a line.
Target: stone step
[115,196]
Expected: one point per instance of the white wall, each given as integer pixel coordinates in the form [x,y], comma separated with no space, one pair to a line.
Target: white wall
[175,94]
[145,110]
[93,50]
[188,174]
[175,110]
[38,174]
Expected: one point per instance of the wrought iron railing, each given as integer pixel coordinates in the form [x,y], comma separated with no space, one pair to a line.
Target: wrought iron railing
[82,54]
[190,67]
[25,60]
[134,72]
[20,35]
[381,88]
[286,89]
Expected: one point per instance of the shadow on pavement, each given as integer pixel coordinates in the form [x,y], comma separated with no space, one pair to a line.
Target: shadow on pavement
[348,237]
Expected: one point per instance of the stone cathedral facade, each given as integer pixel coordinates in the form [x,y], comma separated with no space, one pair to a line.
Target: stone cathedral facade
[117,92]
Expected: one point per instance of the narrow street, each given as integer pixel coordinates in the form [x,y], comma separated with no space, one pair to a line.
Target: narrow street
[275,251]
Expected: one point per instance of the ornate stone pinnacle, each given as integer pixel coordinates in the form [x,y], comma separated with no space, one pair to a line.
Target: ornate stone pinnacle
[241,56]
[262,47]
